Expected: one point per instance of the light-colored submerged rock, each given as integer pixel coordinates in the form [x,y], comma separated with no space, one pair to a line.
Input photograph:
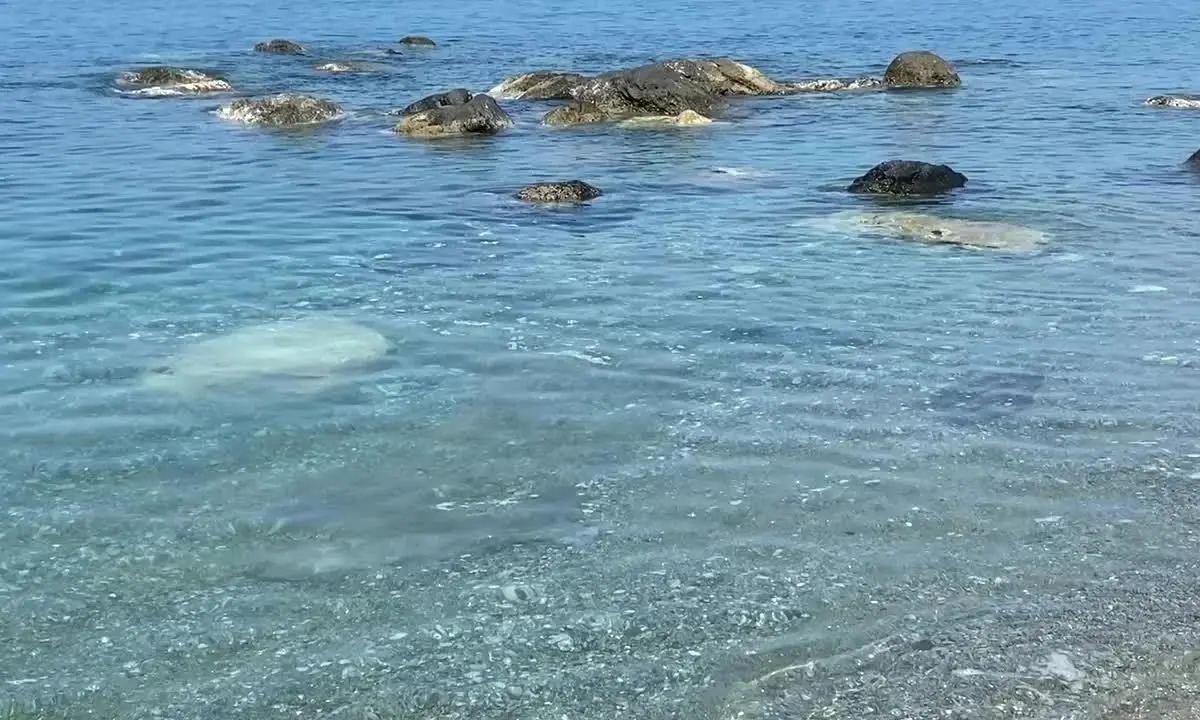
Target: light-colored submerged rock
[687,118]
[930,229]
[576,113]
[305,355]
[1186,102]
[341,67]
[284,110]
[161,81]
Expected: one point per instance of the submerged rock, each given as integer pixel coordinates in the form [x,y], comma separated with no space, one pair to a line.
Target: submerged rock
[908,177]
[161,80]
[977,234]
[457,96]
[341,67]
[836,85]
[299,355]
[573,191]
[575,114]
[1188,102]
[480,116]
[920,69]
[280,47]
[285,110]
[542,85]
[985,396]
[687,118]
[417,41]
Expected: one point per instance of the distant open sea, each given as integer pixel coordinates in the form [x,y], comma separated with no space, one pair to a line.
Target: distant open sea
[688,451]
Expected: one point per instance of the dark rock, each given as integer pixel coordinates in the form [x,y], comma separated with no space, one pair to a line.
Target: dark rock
[541,85]
[457,96]
[1187,102]
[573,191]
[480,116]
[726,76]
[672,86]
[920,69]
[165,81]
[647,90]
[575,114]
[281,110]
[418,40]
[280,47]
[1194,161]
[908,177]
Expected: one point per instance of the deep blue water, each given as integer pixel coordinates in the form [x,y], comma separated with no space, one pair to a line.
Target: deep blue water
[694,399]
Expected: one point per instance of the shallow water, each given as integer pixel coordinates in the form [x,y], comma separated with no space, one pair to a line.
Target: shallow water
[621,459]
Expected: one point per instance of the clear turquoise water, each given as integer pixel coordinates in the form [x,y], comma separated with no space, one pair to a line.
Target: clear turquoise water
[615,448]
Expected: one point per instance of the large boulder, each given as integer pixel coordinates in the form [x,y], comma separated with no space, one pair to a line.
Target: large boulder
[481,116]
[908,177]
[280,47]
[656,89]
[417,41]
[920,69]
[1186,102]
[576,113]
[284,110]
[541,85]
[163,81]
[572,191]
[457,96]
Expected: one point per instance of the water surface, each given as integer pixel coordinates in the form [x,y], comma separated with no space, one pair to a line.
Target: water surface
[626,460]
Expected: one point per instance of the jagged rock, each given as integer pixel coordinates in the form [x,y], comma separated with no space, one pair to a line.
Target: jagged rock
[573,191]
[457,96]
[417,40]
[160,80]
[920,69]
[284,110]
[541,85]
[908,177]
[687,118]
[1188,102]
[481,116]
[280,47]
[575,114]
